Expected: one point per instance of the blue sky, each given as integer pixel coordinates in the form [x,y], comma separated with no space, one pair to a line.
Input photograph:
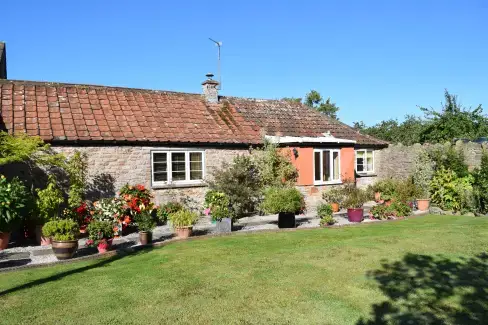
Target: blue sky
[375,59]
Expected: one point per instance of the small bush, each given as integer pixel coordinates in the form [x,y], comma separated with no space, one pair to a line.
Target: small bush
[398,209]
[163,212]
[379,212]
[61,229]
[480,185]
[354,196]
[183,218]
[324,210]
[451,192]
[334,195]
[386,187]
[407,191]
[98,230]
[423,173]
[13,201]
[49,201]
[145,221]
[327,220]
[283,199]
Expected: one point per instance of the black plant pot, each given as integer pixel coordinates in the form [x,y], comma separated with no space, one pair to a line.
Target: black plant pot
[286,220]
[224,225]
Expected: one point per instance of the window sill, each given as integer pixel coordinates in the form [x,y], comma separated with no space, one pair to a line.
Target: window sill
[327,183]
[369,174]
[177,185]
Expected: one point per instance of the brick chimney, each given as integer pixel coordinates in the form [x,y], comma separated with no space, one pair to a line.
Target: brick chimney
[210,89]
[3,61]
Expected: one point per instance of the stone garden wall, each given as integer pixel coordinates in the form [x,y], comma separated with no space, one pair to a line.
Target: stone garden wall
[398,160]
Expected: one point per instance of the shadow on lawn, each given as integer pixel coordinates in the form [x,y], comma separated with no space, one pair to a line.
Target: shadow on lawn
[423,289]
[58,276]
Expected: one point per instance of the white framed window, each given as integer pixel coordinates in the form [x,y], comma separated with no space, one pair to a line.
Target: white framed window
[364,161]
[178,166]
[327,166]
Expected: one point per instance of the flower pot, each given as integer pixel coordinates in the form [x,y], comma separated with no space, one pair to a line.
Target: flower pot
[224,225]
[423,204]
[355,215]
[44,241]
[335,207]
[4,239]
[64,249]
[377,196]
[145,237]
[104,247]
[286,220]
[183,232]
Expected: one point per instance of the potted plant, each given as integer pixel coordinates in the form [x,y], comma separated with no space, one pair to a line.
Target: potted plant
[354,201]
[422,175]
[377,188]
[101,235]
[163,211]
[334,197]
[182,222]
[63,235]
[13,198]
[217,205]
[48,203]
[286,201]
[324,211]
[145,223]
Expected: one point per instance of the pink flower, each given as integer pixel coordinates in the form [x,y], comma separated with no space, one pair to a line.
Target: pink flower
[207,211]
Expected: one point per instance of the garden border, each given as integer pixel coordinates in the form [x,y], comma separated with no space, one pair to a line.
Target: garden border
[137,248]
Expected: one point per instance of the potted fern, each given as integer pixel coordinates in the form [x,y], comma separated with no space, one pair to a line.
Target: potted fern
[48,203]
[63,235]
[286,201]
[182,222]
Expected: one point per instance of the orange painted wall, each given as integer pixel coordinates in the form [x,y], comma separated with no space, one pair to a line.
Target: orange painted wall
[304,164]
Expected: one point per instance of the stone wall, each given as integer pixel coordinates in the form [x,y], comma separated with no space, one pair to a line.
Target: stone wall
[398,160]
[120,165]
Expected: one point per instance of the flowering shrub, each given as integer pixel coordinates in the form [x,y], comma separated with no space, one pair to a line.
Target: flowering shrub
[100,232]
[217,204]
[137,198]
[112,210]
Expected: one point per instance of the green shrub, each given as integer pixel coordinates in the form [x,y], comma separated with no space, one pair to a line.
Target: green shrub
[327,220]
[13,200]
[449,158]
[354,196]
[480,185]
[423,173]
[406,191]
[145,221]
[241,183]
[451,192]
[98,230]
[77,167]
[283,199]
[324,210]
[183,218]
[61,229]
[387,188]
[334,195]
[163,212]
[379,212]
[49,200]
[398,209]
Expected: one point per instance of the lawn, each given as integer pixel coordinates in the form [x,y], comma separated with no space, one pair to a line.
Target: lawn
[319,276]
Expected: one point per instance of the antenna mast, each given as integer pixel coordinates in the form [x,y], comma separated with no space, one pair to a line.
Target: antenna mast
[219,44]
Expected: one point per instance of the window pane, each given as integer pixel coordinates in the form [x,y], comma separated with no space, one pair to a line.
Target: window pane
[335,159]
[360,161]
[161,177]
[326,166]
[159,157]
[317,165]
[196,166]
[178,166]
[160,167]
[369,160]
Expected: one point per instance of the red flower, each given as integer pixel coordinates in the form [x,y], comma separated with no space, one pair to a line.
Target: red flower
[140,187]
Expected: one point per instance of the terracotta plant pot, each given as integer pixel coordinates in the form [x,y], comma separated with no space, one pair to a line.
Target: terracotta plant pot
[44,241]
[286,220]
[184,232]
[4,239]
[64,249]
[377,196]
[145,237]
[423,204]
[355,215]
[335,207]
[103,248]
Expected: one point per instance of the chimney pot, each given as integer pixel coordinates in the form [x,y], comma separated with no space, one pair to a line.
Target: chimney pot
[210,89]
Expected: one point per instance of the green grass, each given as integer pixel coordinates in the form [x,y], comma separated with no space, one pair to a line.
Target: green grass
[302,277]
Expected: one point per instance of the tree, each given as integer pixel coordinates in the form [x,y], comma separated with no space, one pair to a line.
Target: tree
[315,100]
[292,99]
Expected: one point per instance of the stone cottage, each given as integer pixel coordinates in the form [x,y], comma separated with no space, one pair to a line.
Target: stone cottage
[172,141]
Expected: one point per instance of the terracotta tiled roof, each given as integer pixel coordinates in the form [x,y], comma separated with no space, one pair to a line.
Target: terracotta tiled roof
[60,112]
